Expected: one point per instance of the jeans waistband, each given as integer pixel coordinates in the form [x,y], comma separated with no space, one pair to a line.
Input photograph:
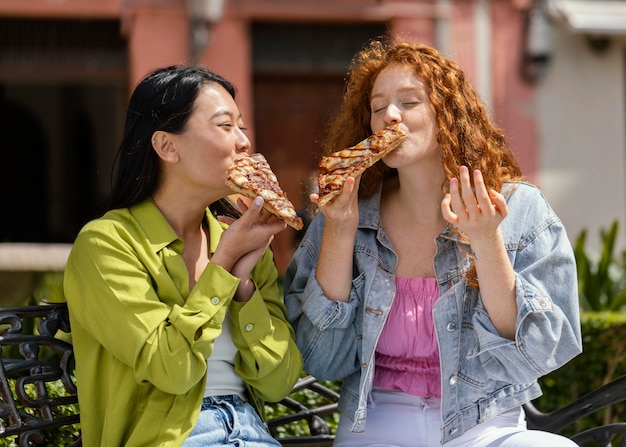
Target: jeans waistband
[380,395]
[235,399]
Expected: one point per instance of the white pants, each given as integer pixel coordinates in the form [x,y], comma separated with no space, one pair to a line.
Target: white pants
[398,420]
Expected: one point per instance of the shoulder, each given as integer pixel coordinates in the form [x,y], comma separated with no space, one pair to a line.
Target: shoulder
[119,232]
[530,214]
[520,190]
[142,223]
[525,198]
[111,223]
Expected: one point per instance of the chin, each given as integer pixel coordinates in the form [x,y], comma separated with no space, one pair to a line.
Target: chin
[391,160]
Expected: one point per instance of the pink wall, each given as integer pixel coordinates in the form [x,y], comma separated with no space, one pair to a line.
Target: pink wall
[513,97]
[229,53]
[158,32]
[61,9]
[156,37]
[420,29]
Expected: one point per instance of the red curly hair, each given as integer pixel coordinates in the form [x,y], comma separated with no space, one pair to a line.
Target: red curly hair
[466,135]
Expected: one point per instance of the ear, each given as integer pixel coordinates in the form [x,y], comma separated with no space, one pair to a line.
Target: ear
[163,145]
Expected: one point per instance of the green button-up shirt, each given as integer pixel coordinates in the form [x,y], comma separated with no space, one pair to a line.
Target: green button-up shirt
[140,354]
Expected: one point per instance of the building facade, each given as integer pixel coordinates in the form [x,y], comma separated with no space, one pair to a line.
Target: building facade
[67,68]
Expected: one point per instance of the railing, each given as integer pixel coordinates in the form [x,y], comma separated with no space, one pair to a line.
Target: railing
[38,397]
[37,389]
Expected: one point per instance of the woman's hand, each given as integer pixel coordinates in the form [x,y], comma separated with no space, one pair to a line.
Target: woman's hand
[478,213]
[343,211]
[244,242]
[475,212]
[341,220]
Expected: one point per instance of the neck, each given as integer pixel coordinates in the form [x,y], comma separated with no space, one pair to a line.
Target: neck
[185,216]
[418,198]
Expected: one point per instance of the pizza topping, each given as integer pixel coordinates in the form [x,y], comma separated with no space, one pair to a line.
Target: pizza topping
[335,168]
[252,176]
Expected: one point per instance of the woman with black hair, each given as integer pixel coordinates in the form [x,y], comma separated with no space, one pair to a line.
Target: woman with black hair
[178,323]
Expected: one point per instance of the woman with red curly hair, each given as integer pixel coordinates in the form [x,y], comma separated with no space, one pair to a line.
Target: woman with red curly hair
[439,285]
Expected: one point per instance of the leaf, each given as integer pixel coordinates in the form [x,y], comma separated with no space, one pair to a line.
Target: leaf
[601,282]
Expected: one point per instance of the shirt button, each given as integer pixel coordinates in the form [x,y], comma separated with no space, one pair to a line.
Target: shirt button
[453,380]
[249,327]
[451,327]
[215,300]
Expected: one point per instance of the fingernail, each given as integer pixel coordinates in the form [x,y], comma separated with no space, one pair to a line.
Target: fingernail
[258,201]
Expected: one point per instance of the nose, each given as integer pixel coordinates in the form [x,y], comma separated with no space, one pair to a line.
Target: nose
[392,115]
[242,141]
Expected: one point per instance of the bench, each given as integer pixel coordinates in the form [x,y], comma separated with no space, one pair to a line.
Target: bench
[37,388]
[38,397]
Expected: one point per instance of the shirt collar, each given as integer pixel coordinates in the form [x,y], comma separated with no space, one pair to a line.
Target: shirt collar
[159,232]
[216,228]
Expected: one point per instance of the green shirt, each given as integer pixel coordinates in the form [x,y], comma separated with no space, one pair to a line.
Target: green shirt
[141,337]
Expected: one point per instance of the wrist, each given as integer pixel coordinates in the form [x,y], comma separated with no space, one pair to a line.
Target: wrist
[245,290]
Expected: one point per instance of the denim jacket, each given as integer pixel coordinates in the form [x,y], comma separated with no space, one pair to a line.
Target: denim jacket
[482,373]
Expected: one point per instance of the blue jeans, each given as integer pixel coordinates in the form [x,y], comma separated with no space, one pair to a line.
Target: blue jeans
[229,420]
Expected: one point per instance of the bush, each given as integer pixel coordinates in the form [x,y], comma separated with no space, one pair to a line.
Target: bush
[602,293]
[602,360]
[309,399]
[602,277]
[61,437]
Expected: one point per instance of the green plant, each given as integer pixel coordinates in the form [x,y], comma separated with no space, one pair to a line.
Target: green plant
[49,289]
[602,360]
[60,437]
[309,399]
[601,279]
[602,293]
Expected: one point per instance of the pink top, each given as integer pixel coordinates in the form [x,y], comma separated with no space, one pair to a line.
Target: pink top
[407,357]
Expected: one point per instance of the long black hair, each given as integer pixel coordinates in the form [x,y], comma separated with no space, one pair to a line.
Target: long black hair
[163,100]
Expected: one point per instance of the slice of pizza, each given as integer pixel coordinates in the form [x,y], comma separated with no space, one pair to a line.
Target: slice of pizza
[252,176]
[335,168]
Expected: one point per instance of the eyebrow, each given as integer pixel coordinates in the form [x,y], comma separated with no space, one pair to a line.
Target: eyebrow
[417,87]
[223,111]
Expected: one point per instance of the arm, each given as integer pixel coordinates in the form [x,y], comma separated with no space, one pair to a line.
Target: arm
[478,215]
[244,242]
[548,332]
[547,322]
[334,265]
[122,293]
[325,329]
[268,358]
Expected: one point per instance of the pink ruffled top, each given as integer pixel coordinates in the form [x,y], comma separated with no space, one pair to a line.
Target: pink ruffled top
[407,356]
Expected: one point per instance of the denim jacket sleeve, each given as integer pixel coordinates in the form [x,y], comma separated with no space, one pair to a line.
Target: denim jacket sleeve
[548,322]
[325,329]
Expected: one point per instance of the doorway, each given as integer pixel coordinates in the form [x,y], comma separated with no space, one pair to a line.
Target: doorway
[299,72]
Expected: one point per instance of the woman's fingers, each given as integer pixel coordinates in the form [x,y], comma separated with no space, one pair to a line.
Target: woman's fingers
[471,207]
[456,200]
[446,210]
[483,199]
[467,197]
[499,203]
